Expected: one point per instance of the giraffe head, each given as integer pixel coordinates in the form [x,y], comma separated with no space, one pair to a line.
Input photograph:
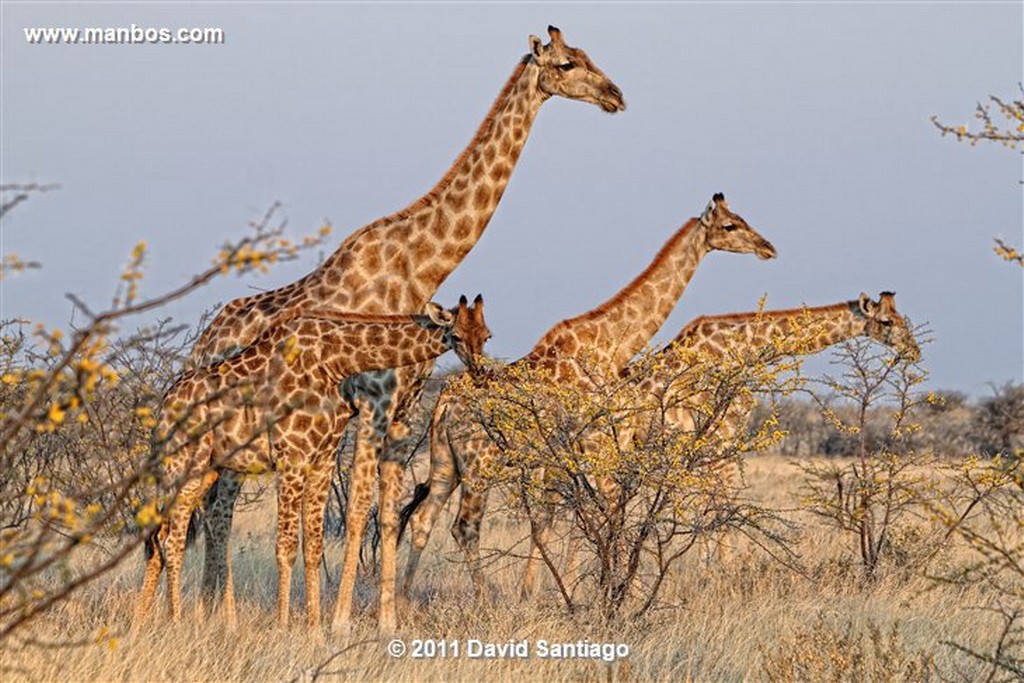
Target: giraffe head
[467,329]
[568,72]
[887,326]
[728,232]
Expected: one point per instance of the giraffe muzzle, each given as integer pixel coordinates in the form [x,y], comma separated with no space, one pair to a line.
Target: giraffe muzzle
[612,100]
[766,251]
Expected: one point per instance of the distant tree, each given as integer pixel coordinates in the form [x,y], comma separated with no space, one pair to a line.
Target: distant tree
[999,420]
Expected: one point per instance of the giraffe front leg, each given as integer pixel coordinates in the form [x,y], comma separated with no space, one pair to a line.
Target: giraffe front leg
[361,480]
[317,486]
[390,491]
[290,486]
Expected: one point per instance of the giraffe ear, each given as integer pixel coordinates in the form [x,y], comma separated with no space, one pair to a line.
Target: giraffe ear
[478,308]
[535,46]
[438,315]
[867,306]
[705,217]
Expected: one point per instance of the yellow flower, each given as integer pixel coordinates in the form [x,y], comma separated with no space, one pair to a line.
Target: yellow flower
[56,415]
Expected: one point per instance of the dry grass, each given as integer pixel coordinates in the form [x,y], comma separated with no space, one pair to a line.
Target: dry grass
[725,622]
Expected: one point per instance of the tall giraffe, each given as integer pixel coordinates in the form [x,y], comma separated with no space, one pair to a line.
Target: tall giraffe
[396,264]
[608,337]
[275,406]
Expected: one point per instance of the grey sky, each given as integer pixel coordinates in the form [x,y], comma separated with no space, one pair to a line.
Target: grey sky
[812,118]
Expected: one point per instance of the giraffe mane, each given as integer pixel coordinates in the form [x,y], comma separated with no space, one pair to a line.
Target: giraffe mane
[449,176]
[323,314]
[763,315]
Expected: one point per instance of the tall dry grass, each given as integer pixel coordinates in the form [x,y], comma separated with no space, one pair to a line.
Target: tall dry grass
[743,619]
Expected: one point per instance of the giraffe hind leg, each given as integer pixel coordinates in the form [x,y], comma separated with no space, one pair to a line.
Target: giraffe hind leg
[219,504]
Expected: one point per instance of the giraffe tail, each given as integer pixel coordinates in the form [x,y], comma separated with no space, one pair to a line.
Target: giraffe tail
[195,527]
[419,495]
[151,545]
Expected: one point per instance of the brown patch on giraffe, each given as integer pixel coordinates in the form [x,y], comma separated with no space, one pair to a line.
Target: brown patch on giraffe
[421,249]
[393,298]
[463,227]
[482,198]
[457,200]
[439,228]
[499,172]
[433,272]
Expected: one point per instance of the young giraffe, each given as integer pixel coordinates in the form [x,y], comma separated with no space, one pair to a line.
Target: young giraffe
[609,336]
[275,406]
[397,263]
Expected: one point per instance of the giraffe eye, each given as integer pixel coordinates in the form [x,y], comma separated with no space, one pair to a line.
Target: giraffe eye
[729,227]
[568,66]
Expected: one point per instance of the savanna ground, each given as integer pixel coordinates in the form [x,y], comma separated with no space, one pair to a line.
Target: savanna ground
[732,620]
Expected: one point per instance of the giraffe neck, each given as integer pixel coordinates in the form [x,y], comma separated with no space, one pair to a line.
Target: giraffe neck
[398,262]
[754,330]
[620,327]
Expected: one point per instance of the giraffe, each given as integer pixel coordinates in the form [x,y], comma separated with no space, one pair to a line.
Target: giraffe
[397,263]
[744,337]
[608,336]
[275,406]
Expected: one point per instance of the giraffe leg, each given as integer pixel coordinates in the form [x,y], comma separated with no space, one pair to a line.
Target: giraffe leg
[154,566]
[289,502]
[571,553]
[174,547]
[315,500]
[540,530]
[422,523]
[218,591]
[363,475]
[466,530]
[230,613]
[443,480]
[390,490]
